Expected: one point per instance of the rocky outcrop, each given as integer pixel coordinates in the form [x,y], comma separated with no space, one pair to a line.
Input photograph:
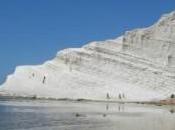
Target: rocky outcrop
[138,66]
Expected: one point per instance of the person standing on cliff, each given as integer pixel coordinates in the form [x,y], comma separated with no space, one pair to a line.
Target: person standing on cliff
[44,79]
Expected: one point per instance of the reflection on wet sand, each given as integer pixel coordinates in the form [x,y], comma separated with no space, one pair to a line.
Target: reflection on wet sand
[172,110]
[45,115]
[120,107]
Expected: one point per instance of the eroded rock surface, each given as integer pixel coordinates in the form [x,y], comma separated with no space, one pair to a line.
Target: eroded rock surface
[138,66]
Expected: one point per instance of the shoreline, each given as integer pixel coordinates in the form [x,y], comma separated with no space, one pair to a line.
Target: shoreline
[32,98]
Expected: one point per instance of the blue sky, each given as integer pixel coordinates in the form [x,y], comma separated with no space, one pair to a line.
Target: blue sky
[32,31]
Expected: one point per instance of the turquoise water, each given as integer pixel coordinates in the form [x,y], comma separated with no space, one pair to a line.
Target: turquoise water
[69,115]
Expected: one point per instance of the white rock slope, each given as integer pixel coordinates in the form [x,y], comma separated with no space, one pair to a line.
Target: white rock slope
[138,66]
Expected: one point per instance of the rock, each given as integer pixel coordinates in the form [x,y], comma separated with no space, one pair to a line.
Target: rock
[140,64]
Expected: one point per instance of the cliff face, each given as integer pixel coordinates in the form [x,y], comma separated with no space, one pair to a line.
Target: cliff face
[156,43]
[138,66]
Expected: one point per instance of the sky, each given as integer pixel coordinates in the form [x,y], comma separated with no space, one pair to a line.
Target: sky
[33,31]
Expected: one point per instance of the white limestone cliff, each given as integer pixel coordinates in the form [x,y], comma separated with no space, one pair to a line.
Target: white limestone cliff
[138,66]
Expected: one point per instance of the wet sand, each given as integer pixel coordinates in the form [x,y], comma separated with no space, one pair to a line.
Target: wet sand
[73,115]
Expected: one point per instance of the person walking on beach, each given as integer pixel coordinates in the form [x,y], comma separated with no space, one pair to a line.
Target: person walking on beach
[120,96]
[107,96]
[123,96]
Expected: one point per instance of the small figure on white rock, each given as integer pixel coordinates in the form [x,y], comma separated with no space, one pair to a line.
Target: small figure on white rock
[44,79]
[172,96]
